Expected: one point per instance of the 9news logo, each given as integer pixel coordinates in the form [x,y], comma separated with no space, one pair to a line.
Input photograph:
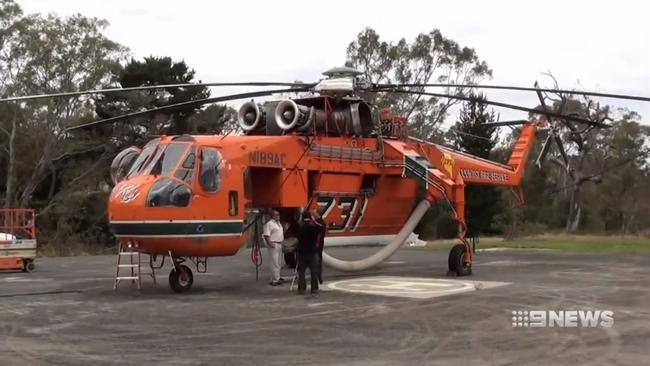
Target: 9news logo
[562,318]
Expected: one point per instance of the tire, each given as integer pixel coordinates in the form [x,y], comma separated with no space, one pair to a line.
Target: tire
[29,266]
[456,262]
[181,278]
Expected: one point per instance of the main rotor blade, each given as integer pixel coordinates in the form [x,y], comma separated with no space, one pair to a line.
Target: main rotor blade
[198,102]
[498,104]
[518,88]
[148,87]
[505,123]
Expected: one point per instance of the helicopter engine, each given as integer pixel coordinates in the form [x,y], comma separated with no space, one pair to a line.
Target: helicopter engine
[251,116]
[307,115]
[289,115]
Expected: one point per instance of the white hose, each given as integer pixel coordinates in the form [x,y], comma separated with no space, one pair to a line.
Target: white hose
[385,252]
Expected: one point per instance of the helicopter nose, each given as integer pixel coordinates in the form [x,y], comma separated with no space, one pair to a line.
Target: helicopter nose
[131,192]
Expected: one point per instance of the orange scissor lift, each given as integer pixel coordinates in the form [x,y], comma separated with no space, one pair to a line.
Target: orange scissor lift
[17,239]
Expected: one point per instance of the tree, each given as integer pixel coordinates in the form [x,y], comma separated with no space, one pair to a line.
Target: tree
[542,210]
[152,71]
[47,55]
[472,136]
[621,201]
[616,166]
[12,113]
[574,156]
[429,58]
[215,119]
[10,25]
[47,168]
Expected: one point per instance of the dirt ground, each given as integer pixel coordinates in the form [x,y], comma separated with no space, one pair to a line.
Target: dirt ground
[66,313]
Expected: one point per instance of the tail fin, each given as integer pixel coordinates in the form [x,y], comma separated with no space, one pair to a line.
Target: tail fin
[522,148]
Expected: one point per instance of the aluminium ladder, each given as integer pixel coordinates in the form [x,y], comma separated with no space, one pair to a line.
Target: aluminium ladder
[132,264]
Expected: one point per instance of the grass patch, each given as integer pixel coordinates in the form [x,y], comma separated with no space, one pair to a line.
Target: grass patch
[575,244]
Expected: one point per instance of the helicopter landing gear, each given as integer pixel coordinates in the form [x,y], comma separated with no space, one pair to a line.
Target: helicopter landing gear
[460,260]
[180,277]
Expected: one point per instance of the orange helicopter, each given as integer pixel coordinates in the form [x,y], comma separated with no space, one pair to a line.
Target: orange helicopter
[193,197]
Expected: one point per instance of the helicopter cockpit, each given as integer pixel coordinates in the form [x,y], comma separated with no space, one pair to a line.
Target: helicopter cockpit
[172,163]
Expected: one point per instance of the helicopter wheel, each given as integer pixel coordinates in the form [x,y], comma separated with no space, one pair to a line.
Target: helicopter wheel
[457,261]
[181,278]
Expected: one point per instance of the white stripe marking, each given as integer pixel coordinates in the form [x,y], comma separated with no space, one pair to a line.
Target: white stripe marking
[353,210]
[363,212]
[411,287]
[177,235]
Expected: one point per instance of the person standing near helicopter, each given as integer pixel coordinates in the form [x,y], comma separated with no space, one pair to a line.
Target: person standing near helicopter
[318,219]
[307,249]
[273,236]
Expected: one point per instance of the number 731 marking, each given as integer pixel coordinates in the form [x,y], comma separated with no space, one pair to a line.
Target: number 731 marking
[351,211]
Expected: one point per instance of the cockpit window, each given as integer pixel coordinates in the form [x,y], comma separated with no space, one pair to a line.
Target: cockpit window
[123,162]
[142,161]
[168,159]
[160,159]
[209,175]
[185,171]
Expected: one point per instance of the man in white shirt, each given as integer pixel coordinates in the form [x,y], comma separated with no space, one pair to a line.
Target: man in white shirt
[273,236]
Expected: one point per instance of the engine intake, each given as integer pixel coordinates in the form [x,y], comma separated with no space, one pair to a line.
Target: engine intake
[289,115]
[353,117]
[251,117]
[307,115]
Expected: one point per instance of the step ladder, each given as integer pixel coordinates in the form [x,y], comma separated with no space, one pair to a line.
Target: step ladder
[129,260]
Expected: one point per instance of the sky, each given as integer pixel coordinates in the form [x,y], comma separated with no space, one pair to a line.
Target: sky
[592,45]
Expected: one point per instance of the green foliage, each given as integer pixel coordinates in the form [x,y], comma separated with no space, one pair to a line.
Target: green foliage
[561,243]
[482,203]
[543,209]
[614,191]
[47,169]
[622,204]
[437,222]
[472,135]
[51,54]
[431,57]
[577,244]
[66,176]
[152,71]
[214,120]
[47,55]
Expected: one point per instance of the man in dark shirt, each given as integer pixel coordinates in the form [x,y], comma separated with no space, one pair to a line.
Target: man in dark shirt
[308,241]
[321,243]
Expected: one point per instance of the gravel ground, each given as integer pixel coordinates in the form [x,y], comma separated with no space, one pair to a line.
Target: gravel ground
[66,313]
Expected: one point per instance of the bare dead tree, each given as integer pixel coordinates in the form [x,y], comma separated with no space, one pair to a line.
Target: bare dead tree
[575,143]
